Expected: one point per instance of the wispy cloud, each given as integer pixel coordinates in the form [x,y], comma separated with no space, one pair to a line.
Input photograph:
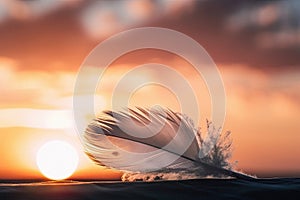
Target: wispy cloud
[278,22]
[34,88]
[25,10]
[33,118]
[103,18]
[249,81]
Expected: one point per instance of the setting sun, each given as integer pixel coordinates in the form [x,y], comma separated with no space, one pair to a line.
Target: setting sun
[57,160]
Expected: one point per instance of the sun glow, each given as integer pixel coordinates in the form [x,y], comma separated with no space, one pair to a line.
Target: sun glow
[57,160]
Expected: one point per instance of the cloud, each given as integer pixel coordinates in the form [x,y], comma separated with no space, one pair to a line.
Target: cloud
[260,15]
[24,93]
[277,22]
[281,39]
[34,118]
[282,14]
[98,18]
[24,10]
[246,80]
[33,88]
[103,18]
[42,90]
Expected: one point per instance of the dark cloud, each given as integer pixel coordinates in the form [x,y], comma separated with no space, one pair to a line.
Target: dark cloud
[262,34]
[53,41]
[230,32]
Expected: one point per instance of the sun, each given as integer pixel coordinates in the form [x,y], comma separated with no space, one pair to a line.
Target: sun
[57,160]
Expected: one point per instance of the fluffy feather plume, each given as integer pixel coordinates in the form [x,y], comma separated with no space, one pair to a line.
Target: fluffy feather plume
[146,140]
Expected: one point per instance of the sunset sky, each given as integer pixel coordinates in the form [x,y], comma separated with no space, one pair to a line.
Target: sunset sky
[256,47]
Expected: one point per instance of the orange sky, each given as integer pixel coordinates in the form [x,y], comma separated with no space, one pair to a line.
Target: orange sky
[39,64]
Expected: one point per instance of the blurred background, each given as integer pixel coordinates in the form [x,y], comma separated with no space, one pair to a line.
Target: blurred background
[255,44]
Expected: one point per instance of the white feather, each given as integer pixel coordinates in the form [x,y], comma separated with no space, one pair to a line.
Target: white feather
[147,140]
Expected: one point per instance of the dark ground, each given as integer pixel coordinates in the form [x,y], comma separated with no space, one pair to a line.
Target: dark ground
[283,188]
